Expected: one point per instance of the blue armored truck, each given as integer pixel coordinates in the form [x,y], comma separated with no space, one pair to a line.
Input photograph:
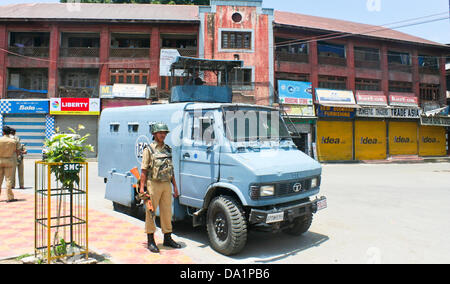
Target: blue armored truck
[236,165]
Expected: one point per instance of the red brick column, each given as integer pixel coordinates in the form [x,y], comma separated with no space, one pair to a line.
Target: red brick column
[53,66]
[351,66]
[384,70]
[443,83]
[105,44]
[314,62]
[415,73]
[3,55]
[155,43]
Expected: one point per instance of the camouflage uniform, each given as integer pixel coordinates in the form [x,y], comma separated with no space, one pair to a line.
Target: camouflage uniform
[157,160]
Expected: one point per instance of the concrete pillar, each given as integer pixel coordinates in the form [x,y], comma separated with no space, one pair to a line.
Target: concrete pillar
[53,65]
[3,57]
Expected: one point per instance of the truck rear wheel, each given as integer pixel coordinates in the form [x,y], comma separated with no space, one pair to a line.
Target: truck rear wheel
[226,225]
[300,225]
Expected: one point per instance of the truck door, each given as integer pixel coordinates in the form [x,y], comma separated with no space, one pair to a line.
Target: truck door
[199,161]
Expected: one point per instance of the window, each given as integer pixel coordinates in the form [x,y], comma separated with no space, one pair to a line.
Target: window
[133,127]
[239,77]
[129,76]
[236,17]
[114,127]
[367,54]
[326,49]
[402,58]
[401,87]
[236,40]
[367,85]
[429,92]
[333,82]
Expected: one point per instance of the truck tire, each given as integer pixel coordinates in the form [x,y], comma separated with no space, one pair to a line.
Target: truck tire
[226,225]
[300,225]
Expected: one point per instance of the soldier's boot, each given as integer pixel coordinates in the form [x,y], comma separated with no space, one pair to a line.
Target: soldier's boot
[151,245]
[169,242]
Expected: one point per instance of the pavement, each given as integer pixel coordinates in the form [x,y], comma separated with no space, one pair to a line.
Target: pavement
[120,241]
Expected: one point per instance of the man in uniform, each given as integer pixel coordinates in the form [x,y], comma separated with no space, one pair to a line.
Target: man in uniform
[158,174]
[18,161]
[8,150]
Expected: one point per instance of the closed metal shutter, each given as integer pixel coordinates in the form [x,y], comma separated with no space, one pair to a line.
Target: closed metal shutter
[403,138]
[31,130]
[432,141]
[335,140]
[370,140]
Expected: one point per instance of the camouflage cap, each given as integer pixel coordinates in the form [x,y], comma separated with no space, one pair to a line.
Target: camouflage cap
[160,127]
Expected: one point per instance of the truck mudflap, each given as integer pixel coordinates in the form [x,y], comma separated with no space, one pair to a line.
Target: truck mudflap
[287,212]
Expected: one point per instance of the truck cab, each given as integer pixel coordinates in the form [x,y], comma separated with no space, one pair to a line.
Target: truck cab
[236,165]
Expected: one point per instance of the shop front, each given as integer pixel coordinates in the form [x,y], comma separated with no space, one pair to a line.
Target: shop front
[30,119]
[371,126]
[433,137]
[403,126]
[73,112]
[296,102]
[336,113]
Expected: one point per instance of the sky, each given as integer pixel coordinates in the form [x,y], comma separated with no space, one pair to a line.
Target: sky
[373,12]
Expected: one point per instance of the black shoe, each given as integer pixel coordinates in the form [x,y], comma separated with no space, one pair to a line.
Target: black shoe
[12,200]
[169,242]
[151,245]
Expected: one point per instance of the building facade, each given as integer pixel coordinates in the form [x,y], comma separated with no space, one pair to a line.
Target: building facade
[348,91]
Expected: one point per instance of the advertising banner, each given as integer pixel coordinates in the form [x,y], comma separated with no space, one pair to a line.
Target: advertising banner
[336,112]
[71,106]
[432,141]
[299,110]
[371,98]
[327,96]
[25,107]
[137,91]
[399,99]
[168,56]
[295,92]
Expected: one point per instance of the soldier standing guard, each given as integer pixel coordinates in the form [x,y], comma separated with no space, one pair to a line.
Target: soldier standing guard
[158,174]
[8,150]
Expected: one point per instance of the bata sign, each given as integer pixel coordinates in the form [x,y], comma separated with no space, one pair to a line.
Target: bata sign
[80,106]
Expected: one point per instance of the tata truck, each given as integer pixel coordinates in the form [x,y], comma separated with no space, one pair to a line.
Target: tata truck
[236,165]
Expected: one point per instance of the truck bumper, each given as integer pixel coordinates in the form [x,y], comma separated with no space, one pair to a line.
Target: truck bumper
[286,212]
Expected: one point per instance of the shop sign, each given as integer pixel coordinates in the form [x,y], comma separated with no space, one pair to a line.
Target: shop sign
[71,106]
[373,112]
[336,112]
[106,92]
[19,106]
[371,98]
[405,112]
[435,120]
[326,96]
[299,110]
[402,100]
[295,92]
[136,91]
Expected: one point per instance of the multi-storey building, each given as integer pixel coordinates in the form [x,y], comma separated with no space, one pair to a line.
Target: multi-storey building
[350,91]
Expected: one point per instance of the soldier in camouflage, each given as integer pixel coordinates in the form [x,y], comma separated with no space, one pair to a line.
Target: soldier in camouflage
[158,174]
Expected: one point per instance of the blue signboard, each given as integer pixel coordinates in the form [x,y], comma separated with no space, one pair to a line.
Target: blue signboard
[11,106]
[295,92]
[336,112]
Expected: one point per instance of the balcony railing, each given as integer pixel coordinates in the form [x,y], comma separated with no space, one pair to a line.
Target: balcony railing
[370,64]
[188,52]
[130,52]
[79,52]
[71,92]
[328,60]
[400,67]
[429,70]
[292,57]
[30,51]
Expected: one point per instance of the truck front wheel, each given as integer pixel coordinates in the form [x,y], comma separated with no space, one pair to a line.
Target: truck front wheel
[226,225]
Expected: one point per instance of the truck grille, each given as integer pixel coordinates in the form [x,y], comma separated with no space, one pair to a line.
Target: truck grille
[292,187]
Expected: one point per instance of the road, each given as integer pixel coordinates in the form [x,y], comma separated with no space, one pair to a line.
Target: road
[388,213]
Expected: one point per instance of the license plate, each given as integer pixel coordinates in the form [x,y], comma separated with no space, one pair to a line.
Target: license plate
[275,217]
[321,204]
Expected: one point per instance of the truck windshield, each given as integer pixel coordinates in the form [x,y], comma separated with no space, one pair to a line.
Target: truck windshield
[248,124]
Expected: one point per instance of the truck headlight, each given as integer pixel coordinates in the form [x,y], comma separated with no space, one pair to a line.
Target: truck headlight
[315,182]
[267,190]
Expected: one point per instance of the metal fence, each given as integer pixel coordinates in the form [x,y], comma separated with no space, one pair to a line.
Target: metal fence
[61,210]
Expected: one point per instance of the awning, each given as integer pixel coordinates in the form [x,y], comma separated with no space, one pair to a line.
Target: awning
[371,98]
[336,98]
[403,99]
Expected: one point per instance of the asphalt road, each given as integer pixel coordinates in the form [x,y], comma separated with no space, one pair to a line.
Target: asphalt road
[388,213]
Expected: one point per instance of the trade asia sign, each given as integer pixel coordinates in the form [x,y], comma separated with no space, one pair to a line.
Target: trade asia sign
[295,92]
[74,106]
[24,106]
